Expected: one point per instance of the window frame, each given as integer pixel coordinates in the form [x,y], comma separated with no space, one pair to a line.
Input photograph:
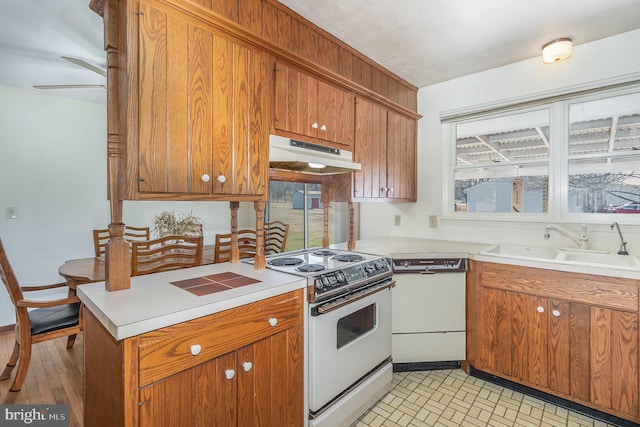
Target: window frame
[559,158]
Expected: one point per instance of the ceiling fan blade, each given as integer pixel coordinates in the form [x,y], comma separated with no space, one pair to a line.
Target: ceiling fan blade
[86,65]
[70,86]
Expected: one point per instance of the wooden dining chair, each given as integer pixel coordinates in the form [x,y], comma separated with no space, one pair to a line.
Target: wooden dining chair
[275,236]
[47,320]
[165,253]
[246,245]
[131,234]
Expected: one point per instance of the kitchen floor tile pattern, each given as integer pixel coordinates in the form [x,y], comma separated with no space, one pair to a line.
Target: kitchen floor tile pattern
[446,398]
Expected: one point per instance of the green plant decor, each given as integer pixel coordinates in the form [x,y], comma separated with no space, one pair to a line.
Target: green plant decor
[168,223]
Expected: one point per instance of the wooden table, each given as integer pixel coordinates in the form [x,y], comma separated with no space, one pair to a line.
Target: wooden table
[88,270]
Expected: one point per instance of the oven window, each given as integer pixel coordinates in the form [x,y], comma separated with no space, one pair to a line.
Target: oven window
[356,324]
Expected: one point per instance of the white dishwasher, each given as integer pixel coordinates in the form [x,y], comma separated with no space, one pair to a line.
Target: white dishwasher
[428,311]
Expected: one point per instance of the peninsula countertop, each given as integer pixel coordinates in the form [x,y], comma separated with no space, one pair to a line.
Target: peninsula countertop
[162,299]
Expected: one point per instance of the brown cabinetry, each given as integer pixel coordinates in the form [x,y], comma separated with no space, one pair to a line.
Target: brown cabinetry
[310,107]
[385,146]
[239,367]
[199,122]
[572,335]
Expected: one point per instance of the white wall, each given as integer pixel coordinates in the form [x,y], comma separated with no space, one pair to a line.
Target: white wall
[602,60]
[53,170]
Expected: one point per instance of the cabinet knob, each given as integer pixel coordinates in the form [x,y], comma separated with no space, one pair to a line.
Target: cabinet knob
[247,366]
[323,128]
[195,349]
[222,178]
[273,321]
[205,178]
[556,313]
[540,309]
[229,374]
[315,125]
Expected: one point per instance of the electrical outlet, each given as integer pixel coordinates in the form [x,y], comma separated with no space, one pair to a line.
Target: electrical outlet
[433,221]
[12,212]
[396,220]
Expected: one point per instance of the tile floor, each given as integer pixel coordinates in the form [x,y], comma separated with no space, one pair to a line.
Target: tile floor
[452,398]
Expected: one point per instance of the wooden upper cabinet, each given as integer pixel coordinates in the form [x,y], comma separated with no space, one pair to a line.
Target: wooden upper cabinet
[385,146]
[313,108]
[203,110]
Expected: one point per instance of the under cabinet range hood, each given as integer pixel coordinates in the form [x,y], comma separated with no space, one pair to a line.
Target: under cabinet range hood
[299,156]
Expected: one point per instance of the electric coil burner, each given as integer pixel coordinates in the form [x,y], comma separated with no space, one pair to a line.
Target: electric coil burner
[285,262]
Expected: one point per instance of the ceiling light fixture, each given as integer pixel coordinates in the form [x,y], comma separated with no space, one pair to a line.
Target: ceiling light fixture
[557,50]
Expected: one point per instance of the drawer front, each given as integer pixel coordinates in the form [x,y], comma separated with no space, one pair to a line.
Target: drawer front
[605,291]
[176,348]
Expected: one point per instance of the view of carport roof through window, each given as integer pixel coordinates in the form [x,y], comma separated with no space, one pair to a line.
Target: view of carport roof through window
[506,158]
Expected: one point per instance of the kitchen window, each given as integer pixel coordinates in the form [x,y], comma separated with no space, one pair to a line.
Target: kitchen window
[300,205]
[564,159]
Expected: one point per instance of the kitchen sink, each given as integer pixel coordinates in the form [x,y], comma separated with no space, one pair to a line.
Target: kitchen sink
[592,258]
[515,251]
[599,258]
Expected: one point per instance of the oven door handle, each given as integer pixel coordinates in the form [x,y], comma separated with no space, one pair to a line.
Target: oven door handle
[341,302]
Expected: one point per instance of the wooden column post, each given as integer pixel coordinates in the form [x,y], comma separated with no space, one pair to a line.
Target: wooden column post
[351,245]
[117,254]
[259,262]
[325,225]
[235,253]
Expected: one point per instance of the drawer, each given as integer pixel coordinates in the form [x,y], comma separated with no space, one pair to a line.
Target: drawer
[167,351]
[605,291]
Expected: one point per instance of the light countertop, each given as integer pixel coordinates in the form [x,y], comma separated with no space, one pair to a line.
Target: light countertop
[152,302]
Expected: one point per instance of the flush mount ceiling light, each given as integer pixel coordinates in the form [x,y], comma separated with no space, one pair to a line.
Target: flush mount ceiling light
[557,50]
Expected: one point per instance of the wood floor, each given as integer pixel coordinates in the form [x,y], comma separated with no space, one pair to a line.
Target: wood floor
[55,375]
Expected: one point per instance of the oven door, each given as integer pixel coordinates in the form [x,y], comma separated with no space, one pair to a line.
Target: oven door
[346,341]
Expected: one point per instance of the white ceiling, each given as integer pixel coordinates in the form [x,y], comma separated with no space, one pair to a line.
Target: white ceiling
[424,42]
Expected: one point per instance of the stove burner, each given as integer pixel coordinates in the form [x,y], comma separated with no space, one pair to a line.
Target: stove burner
[311,268]
[323,252]
[285,262]
[348,258]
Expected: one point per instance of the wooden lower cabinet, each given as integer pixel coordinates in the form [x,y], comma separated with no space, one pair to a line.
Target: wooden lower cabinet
[572,335]
[258,382]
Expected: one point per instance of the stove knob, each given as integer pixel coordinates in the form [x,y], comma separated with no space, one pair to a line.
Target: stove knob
[319,284]
[340,277]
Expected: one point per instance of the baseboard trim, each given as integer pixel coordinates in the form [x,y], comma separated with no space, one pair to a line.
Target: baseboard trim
[7,328]
[576,407]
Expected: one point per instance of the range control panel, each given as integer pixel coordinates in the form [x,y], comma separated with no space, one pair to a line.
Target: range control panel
[431,265]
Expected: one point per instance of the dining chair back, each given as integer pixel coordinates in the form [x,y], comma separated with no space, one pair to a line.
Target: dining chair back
[275,236]
[47,319]
[246,245]
[165,253]
[131,234]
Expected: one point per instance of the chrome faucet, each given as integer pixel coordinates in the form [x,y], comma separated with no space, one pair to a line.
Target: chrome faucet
[581,241]
[623,244]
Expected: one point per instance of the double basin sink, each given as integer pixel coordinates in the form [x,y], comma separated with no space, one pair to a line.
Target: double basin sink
[566,256]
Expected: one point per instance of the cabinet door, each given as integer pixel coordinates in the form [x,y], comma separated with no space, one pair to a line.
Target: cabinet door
[401,157]
[614,360]
[203,108]
[370,150]
[167,402]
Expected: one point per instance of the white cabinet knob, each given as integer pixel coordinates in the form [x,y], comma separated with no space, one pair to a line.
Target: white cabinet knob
[247,366]
[556,313]
[540,309]
[205,178]
[273,321]
[315,125]
[229,374]
[323,128]
[222,178]
[195,349]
